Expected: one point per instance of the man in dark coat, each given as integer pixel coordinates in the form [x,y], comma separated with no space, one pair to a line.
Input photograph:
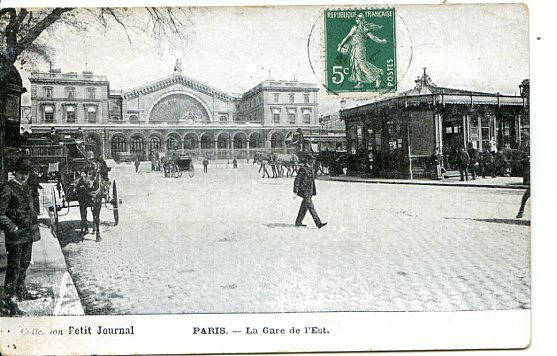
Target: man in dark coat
[304,187]
[473,154]
[463,161]
[18,219]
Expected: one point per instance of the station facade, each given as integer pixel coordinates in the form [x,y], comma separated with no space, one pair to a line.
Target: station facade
[174,113]
[396,137]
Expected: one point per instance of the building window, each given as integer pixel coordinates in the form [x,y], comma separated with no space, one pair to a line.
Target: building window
[91,114]
[291,118]
[47,91]
[70,114]
[307,118]
[223,118]
[115,118]
[118,144]
[276,97]
[134,118]
[172,143]
[291,98]
[154,143]
[49,114]
[70,93]
[276,118]
[306,98]
[91,93]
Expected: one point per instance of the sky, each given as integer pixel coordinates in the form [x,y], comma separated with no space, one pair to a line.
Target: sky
[475,47]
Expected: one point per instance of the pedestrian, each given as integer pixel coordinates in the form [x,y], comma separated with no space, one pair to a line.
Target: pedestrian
[79,135]
[485,162]
[33,183]
[83,188]
[137,163]
[18,219]
[525,181]
[435,161]
[304,187]
[273,164]
[234,163]
[205,164]
[54,137]
[463,161]
[473,154]
[263,167]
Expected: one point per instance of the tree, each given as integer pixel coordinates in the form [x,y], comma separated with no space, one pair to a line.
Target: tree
[23,34]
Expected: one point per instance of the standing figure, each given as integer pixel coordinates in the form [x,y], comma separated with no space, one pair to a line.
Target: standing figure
[463,162]
[54,137]
[205,164]
[273,163]
[362,71]
[33,183]
[435,161]
[473,154]
[137,163]
[485,162]
[18,219]
[304,187]
[234,163]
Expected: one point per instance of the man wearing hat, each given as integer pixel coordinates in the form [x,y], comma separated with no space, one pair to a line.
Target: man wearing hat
[18,219]
[304,187]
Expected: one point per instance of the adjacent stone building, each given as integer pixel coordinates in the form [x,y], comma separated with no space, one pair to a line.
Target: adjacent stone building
[174,113]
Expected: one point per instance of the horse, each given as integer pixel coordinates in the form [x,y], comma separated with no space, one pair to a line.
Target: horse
[289,162]
[90,188]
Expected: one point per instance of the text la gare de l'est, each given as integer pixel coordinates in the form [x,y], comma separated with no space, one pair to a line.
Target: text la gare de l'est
[266,330]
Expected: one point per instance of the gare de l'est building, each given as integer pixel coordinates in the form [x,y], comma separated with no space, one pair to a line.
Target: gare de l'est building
[396,137]
[173,113]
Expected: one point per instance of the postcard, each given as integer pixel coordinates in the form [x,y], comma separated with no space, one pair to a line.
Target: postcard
[254,179]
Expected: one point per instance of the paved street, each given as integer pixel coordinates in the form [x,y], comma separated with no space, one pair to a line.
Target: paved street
[224,242]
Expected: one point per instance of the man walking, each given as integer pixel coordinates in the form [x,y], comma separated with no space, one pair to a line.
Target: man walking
[18,219]
[473,155]
[205,164]
[304,187]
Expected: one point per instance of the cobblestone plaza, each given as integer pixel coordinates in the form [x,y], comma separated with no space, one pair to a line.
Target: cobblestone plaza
[225,242]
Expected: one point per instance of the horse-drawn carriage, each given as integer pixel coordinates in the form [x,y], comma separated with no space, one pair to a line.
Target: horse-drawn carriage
[82,181]
[175,165]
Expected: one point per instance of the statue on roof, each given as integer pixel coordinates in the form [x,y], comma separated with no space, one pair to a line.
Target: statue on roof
[178,66]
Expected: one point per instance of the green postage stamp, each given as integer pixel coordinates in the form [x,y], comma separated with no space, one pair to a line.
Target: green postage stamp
[360,50]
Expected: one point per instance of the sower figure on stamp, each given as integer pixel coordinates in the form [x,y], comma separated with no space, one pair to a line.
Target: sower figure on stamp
[304,187]
[18,219]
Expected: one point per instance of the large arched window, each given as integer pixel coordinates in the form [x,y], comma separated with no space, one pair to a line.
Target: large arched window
[137,145]
[154,143]
[172,143]
[118,144]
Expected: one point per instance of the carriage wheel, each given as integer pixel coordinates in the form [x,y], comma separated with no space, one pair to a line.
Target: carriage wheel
[53,214]
[115,203]
[191,171]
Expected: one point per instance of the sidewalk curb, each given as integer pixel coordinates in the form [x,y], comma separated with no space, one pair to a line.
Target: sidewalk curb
[425,183]
[48,274]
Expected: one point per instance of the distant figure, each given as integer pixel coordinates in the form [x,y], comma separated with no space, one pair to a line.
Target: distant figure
[463,162]
[54,137]
[273,163]
[205,164]
[473,154]
[79,135]
[234,163]
[485,162]
[33,182]
[435,161]
[526,181]
[304,187]
[137,163]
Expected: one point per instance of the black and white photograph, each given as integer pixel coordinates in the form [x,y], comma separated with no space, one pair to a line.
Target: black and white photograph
[185,179]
